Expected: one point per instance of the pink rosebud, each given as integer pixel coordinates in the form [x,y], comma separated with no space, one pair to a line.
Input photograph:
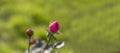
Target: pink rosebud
[29,32]
[54,27]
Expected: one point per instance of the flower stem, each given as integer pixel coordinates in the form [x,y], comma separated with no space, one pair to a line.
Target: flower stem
[47,43]
[29,45]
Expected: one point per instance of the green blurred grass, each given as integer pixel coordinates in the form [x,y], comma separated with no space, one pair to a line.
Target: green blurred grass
[88,26]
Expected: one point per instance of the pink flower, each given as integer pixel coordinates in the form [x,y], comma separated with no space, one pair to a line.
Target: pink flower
[54,27]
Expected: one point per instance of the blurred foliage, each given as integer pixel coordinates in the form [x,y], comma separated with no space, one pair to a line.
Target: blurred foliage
[87,26]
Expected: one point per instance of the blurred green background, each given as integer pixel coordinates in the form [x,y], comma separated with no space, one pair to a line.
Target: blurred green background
[87,26]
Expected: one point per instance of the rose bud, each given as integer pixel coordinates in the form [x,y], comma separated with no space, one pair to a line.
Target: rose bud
[29,32]
[33,41]
[54,27]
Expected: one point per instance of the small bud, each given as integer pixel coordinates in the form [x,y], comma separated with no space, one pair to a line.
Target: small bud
[54,27]
[33,41]
[29,32]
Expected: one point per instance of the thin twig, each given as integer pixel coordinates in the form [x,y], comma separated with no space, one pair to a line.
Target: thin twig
[47,43]
[29,45]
